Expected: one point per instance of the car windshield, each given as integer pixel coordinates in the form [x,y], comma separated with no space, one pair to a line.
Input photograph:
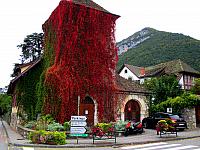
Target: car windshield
[174,117]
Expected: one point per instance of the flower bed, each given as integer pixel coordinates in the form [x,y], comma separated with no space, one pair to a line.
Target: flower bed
[103,131]
[166,126]
[47,137]
[46,131]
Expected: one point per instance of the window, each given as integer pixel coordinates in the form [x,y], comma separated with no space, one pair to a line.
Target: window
[125,71]
[188,81]
[130,78]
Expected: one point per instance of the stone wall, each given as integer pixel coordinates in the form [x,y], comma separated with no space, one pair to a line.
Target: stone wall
[190,117]
[141,99]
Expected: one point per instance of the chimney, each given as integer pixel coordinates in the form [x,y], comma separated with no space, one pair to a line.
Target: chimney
[142,71]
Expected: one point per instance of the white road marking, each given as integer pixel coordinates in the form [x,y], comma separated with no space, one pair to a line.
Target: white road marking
[144,145]
[28,148]
[159,147]
[183,147]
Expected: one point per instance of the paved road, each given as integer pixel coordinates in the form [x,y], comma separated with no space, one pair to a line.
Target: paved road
[162,146]
[193,141]
[3,138]
[188,144]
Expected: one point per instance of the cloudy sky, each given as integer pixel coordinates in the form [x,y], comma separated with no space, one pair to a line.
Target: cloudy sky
[23,17]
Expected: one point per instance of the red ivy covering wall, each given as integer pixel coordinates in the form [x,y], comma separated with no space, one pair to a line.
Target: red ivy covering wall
[84,60]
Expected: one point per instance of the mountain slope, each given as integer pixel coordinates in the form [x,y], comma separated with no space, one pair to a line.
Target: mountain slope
[155,47]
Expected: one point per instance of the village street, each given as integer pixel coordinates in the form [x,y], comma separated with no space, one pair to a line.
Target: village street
[3,138]
[186,144]
[188,139]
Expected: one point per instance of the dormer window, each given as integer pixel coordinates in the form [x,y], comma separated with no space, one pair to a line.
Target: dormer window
[125,71]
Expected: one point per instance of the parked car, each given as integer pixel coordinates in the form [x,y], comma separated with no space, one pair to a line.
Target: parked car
[150,122]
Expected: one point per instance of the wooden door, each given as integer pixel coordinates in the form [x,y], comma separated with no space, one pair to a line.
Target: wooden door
[87,109]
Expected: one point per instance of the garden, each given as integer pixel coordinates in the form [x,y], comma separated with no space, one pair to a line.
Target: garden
[46,130]
[167,126]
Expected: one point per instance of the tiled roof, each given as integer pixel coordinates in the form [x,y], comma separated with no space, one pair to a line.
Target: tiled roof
[129,86]
[171,67]
[89,3]
[13,81]
[136,70]
[24,65]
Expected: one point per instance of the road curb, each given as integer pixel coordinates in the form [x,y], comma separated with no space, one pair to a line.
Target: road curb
[82,145]
[99,145]
[8,138]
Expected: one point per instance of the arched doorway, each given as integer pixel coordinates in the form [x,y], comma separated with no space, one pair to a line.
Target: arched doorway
[87,109]
[132,111]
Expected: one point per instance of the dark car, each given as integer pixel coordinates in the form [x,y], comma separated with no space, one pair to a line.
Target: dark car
[150,122]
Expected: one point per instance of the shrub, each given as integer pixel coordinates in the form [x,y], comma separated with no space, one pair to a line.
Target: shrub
[101,128]
[104,126]
[47,137]
[55,127]
[44,121]
[66,126]
[30,125]
[121,125]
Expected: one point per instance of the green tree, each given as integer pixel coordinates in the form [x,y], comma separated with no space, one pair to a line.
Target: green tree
[5,104]
[163,87]
[32,47]
[196,88]
[186,100]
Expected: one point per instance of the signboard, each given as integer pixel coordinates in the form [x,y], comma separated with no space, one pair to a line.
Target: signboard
[80,135]
[77,130]
[78,118]
[78,124]
[169,110]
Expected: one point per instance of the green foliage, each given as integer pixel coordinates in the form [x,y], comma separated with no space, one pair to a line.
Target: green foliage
[196,88]
[26,92]
[121,125]
[31,125]
[166,125]
[66,126]
[104,126]
[5,103]
[163,87]
[55,127]
[44,121]
[163,47]
[40,93]
[47,137]
[186,100]
[47,61]
[32,47]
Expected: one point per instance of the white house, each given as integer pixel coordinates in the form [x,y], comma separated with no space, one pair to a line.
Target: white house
[185,74]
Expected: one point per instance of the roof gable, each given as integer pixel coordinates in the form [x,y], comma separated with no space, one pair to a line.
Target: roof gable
[134,69]
[13,81]
[89,3]
[129,86]
[172,67]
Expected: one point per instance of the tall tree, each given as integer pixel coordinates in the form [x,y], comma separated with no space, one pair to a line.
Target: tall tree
[163,87]
[32,47]
[5,104]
